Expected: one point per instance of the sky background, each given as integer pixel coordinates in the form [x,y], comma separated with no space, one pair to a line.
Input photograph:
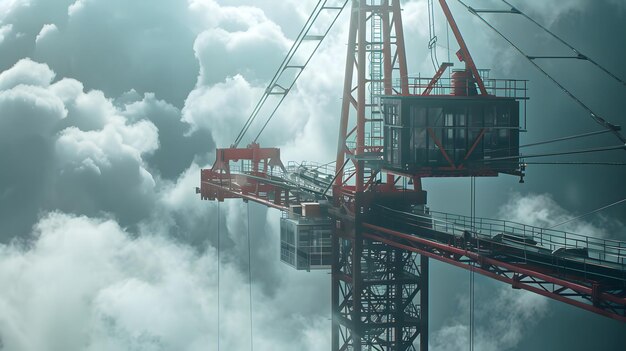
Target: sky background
[109,109]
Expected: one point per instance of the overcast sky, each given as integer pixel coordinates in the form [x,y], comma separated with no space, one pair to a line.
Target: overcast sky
[110,108]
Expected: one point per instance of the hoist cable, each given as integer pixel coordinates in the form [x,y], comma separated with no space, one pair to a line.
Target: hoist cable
[432,42]
[472,276]
[601,121]
[218,275]
[579,55]
[587,214]
[448,48]
[250,277]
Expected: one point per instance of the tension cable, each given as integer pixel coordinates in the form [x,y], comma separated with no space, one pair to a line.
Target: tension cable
[598,119]
[587,214]
[578,56]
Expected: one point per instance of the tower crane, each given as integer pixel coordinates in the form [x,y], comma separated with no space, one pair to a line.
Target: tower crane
[366,218]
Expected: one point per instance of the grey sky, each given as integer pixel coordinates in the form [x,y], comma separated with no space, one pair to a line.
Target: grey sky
[108,110]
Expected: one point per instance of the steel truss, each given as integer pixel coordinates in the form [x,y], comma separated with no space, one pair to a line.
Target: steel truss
[379,294]
[555,283]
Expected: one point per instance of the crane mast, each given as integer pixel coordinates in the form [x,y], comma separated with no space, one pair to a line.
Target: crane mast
[367,219]
[379,293]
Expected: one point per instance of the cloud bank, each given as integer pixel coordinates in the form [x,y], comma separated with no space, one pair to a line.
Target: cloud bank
[103,132]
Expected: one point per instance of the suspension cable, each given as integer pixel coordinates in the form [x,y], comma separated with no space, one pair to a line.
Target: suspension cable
[579,55]
[587,214]
[250,277]
[565,138]
[275,79]
[275,87]
[583,151]
[601,121]
[550,141]
[578,163]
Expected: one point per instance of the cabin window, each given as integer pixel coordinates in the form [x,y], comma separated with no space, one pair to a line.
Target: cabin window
[456,125]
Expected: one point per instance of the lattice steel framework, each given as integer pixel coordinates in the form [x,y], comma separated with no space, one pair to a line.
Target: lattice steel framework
[380,294]
[377,290]
[380,268]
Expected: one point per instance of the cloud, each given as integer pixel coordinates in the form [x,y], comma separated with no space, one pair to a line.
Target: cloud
[26,72]
[46,31]
[4,31]
[543,211]
[220,108]
[69,150]
[500,324]
[225,53]
[150,91]
[226,93]
[8,6]
[143,293]
[551,11]
[179,145]
[104,171]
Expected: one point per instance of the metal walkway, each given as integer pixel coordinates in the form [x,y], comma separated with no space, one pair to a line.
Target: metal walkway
[581,270]
[584,271]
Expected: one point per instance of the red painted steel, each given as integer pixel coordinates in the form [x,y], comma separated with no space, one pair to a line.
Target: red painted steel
[464,51]
[353,187]
[435,79]
[453,255]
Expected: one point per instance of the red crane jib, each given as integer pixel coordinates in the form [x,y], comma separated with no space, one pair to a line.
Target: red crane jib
[250,181]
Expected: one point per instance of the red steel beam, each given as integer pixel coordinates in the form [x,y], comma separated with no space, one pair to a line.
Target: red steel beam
[467,57]
[435,79]
[458,253]
[238,194]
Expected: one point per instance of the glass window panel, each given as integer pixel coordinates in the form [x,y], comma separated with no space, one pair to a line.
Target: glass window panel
[504,116]
[490,116]
[435,117]
[461,119]
[476,117]
[419,116]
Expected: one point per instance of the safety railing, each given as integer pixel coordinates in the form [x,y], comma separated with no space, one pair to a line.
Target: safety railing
[247,167]
[513,88]
[605,250]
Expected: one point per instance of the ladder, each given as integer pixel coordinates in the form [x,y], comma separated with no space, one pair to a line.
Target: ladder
[376,85]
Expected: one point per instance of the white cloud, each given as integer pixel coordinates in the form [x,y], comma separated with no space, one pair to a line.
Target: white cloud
[27,72]
[74,8]
[93,154]
[551,11]
[221,108]
[4,31]
[46,31]
[145,293]
[501,323]
[29,110]
[8,6]
[543,211]
[98,158]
